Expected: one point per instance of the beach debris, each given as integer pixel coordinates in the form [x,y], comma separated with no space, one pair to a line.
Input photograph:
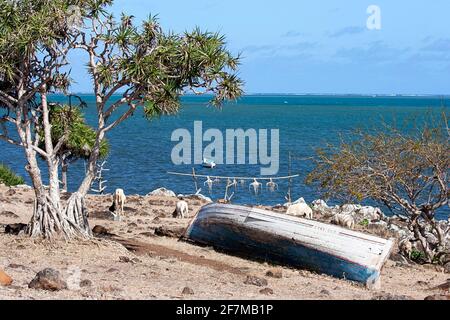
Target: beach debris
[162,192]
[272,186]
[300,209]
[255,185]
[181,210]
[48,279]
[175,232]
[256,281]
[187,291]
[5,280]
[266,291]
[275,273]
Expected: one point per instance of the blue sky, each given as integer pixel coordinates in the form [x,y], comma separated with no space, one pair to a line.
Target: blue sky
[299,46]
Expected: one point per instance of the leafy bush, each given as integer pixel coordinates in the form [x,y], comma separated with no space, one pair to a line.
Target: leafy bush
[8,177]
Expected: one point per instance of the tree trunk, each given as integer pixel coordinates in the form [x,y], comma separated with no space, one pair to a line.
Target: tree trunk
[64,169]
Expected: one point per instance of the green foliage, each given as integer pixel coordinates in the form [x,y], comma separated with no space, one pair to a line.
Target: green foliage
[69,124]
[8,177]
[364,223]
[418,256]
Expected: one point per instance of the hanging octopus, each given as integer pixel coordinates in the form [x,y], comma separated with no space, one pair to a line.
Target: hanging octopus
[272,186]
[255,185]
[216,180]
[234,184]
[242,182]
[210,183]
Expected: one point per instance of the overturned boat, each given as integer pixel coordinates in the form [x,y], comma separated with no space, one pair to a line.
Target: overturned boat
[291,241]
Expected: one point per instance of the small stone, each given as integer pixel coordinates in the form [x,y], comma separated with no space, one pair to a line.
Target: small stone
[124,259]
[256,281]
[187,291]
[325,292]
[10,192]
[266,291]
[111,270]
[275,273]
[5,280]
[17,266]
[132,225]
[48,279]
[85,283]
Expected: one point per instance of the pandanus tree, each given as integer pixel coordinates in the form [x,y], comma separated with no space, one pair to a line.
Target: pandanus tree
[407,172]
[131,67]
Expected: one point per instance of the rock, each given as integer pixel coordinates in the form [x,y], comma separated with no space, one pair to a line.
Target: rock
[10,192]
[447,267]
[85,283]
[388,296]
[325,292]
[275,273]
[438,297]
[256,281]
[198,197]
[370,213]
[350,208]
[48,279]
[9,214]
[132,225]
[100,230]
[266,291]
[378,225]
[124,259]
[5,280]
[187,291]
[15,228]
[162,192]
[175,232]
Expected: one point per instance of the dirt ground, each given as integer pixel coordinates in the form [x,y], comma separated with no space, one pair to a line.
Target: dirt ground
[164,266]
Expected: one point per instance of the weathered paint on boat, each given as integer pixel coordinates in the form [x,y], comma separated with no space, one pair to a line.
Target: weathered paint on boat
[292,241]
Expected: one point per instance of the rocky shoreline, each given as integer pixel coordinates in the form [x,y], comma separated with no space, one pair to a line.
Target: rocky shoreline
[148,262]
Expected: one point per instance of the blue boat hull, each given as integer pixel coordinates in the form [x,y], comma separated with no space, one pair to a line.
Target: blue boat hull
[245,240]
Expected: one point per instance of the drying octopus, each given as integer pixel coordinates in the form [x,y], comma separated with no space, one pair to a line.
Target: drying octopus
[272,186]
[255,185]
[209,183]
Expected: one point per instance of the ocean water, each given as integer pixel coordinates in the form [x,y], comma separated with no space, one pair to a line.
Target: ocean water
[141,150]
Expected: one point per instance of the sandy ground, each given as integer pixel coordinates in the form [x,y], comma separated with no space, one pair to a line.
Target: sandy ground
[167,265]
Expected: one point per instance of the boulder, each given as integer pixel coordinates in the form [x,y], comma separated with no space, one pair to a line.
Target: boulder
[5,280]
[162,192]
[48,279]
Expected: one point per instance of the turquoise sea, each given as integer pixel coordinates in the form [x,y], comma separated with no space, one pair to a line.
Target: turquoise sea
[141,150]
